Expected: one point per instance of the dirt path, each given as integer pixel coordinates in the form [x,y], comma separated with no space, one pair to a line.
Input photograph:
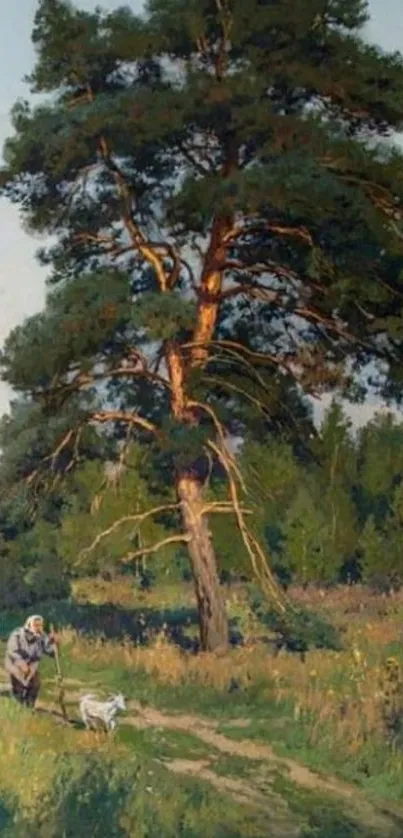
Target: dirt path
[282,822]
[385,819]
[206,730]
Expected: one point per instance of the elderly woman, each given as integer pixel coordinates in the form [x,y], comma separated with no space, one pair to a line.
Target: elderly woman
[25,648]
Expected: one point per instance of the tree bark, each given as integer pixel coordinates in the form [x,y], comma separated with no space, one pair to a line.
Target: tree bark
[210,601]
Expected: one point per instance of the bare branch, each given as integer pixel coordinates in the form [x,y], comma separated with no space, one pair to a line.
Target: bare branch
[103,416]
[254,550]
[330,323]
[222,507]
[132,368]
[110,244]
[194,162]
[143,551]
[242,353]
[238,231]
[126,519]
[222,382]
[138,239]
[54,455]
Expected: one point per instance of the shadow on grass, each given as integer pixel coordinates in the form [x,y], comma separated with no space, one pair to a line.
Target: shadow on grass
[328,818]
[48,712]
[7,816]
[334,823]
[58,717]
[113,622]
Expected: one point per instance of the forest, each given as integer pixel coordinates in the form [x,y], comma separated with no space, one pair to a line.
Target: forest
[328,511]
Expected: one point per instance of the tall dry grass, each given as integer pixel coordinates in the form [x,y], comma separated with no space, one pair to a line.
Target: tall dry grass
[338,699]
[341,695]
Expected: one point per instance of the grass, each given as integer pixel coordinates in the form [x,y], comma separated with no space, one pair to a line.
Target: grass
[336,712]
[321,818]
[328,711]
[162,744]
[54,783]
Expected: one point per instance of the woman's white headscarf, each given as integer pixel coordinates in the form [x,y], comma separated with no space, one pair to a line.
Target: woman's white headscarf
[30,622]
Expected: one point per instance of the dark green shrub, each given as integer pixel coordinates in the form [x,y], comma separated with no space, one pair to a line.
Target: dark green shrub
[298,630]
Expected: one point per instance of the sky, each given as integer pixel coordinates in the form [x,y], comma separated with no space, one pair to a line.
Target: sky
[22,280]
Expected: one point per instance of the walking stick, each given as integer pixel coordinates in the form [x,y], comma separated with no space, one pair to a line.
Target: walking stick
[59,679]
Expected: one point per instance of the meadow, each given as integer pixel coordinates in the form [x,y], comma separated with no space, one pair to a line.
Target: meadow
[248,743]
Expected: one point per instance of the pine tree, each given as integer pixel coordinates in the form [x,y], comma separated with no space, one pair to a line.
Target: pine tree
[380,466]
[225,220]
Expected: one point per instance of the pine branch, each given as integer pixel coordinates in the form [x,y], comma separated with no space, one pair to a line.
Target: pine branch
[126,519]
[220,430]
[138,240]
[246,228]
[227,385]
[241,353]
[256,554]
[137,237]
[222,507]
[139,369]
[144,551]
[67,438]
[194,162]
[103,416]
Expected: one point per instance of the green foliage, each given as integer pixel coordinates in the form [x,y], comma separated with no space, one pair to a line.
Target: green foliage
[305,531]
[95,505]
[319,532]
[81,320]
[299,630]
[379,472]
[165,317]
[39,555]
[373,550]
[14,590]
[28,577]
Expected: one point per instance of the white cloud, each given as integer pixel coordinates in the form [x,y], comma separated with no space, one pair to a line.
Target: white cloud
[359,414]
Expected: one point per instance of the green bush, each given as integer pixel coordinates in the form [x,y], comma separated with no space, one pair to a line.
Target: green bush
[47,581]
[13,587]
[298,630]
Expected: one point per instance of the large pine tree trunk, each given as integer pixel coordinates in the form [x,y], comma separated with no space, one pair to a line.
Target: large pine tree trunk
[210,601]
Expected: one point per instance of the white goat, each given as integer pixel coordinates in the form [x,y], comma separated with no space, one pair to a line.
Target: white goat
[92,711]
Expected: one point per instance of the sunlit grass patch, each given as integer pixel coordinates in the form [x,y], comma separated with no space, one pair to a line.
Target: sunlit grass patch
[328,711]
[56,781]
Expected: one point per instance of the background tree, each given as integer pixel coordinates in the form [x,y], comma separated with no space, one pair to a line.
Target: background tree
[225,223]
[107,529]
[380,466]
